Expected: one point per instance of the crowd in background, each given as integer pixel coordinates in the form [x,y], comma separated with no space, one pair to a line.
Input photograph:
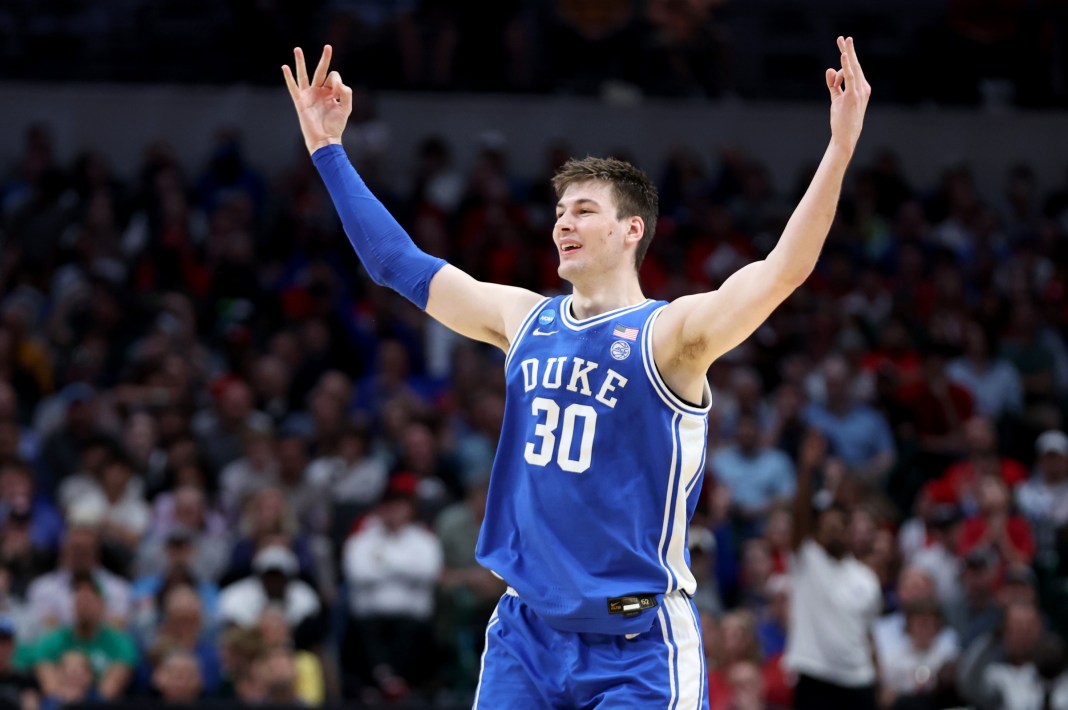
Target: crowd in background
[231,467]
[994,52]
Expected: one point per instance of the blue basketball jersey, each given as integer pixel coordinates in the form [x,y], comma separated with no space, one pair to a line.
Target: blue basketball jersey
[597,472]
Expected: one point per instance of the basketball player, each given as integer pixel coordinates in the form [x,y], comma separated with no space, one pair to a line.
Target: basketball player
[602,449]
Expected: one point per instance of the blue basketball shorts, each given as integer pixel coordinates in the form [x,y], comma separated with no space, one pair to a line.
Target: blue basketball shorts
[527,664]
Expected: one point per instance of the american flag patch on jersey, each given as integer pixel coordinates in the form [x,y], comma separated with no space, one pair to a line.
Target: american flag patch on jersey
[626,332]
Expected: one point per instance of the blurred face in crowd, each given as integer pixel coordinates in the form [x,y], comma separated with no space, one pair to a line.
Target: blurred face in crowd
[88,606]
[281,676]
[980,436]
[397,513]
[747,684]
[178,678]
[838,382]
[922,627]
[183,615]
[75,674]
[1053,466]
[748,435]
[832,532]
[274,628]
[993,496]
[739,638]
[81,549]
[1023,629]
[914,584]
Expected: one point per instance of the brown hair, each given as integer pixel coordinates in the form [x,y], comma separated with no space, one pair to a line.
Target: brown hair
[634,192]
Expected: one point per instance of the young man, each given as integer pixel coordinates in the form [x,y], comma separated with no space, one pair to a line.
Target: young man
[601,452]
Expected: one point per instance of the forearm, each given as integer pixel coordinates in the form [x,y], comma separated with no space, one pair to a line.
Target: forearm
[797,250]
[802,522]
[387,252]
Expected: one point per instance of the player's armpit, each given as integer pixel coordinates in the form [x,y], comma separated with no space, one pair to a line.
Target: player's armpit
[487,312]
[695,330]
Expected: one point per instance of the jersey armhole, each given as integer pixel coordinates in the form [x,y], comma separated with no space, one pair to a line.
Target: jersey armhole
[653,373]
[523,328]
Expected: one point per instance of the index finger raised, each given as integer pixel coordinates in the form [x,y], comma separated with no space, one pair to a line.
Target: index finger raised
[851,52]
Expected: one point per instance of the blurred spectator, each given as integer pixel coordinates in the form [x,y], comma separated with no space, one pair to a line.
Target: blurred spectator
[984,458]
[111,651]
[740,645]
[149,591]
[268,520]
[917,670]
[220,429]
[274,581]
[1012,680]
[61,450]
[352,478]
[308,670]
[856,433]
[834,600]
[468,592]
[1043,499]
[51,597]
[993,382]
[937,410]
[18,496]
[392,564]
[181,628]
[73,683]
[748,688]
[996,527]
[18,689]
[257,468]
[186,528]
[759,477]
[280,678]
[178,679]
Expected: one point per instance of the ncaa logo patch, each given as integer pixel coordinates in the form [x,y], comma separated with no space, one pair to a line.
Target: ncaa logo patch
[547,316]
[620,350]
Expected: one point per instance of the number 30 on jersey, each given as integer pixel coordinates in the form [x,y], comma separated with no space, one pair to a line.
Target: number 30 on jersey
[541,451]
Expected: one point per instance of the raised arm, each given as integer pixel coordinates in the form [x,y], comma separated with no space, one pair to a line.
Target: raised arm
[809,459]
[487,312]
[695,330]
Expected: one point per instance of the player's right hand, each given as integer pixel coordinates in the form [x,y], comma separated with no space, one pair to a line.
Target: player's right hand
[323,104]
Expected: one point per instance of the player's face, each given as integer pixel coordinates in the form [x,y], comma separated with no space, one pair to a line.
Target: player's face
[588,236]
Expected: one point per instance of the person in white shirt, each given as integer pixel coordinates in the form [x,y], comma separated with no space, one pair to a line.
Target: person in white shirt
[918,662]
[1043,499]
[392,565]
[834,602]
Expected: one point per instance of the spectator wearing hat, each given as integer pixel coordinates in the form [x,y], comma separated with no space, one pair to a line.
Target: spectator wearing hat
[834,600]
[50,596]
[1043,499]
[18,689]
[392,564]
[111,651]
[275,580]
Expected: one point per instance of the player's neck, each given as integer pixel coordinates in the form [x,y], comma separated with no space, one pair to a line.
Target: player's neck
[587,302]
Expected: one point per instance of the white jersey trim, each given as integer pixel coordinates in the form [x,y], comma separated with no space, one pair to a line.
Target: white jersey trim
[651,371]
[573,324]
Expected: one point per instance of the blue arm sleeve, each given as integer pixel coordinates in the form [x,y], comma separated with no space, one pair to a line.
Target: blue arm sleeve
[387,252]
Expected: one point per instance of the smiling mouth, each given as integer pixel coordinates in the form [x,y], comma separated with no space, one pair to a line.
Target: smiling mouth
[567,248]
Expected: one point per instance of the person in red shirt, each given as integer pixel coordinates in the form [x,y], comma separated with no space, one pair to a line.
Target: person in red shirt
[996,527]
[982,459]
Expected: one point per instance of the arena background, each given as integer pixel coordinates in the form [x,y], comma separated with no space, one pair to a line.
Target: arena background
[722,102]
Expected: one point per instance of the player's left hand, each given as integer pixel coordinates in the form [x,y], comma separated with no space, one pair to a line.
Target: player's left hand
[849,97]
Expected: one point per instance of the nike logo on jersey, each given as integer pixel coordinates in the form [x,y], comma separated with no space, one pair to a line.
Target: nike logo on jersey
[539,331]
